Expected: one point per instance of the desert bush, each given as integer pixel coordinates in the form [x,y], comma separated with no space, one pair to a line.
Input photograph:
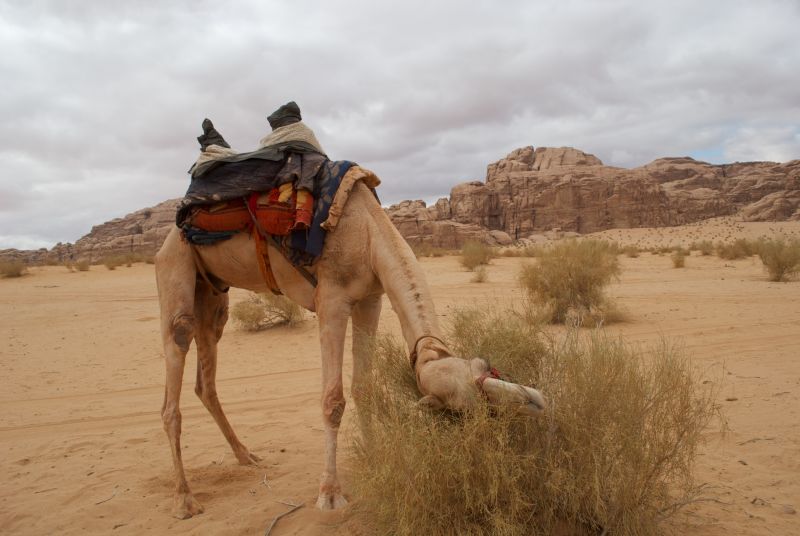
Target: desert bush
[569,279]
[781,258]
[524,251]
[82,265]
[481,275]
[69,265]
[424,249]
[262,311]
[613,453]
[706,247]
[631,251]
[474,254]
[111,262]
[678,258]
[12,269]
[738,249]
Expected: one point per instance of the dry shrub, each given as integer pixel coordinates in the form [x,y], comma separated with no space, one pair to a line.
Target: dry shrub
[706,247]
[678,258]
[474,254]
[82,265]
[569,280]
[525,251]
[739,249]
[424,249]
[481,275]
[12,269]
[631,251]
[112,262]
[781,258]
[614,452]
[262,311]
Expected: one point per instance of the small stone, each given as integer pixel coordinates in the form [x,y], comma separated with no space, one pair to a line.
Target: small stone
[788,509]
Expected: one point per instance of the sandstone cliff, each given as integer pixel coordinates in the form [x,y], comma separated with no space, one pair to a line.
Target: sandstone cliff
[527,192]
[534,190]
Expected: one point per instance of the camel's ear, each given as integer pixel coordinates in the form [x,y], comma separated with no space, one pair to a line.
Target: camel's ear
[430,402]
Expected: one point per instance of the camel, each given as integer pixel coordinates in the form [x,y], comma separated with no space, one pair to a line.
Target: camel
[363,257]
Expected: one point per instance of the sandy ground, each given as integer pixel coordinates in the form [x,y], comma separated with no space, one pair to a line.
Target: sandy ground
[83,450]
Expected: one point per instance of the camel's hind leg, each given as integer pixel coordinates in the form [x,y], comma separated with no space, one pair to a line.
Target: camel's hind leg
[175,276]
[211,311]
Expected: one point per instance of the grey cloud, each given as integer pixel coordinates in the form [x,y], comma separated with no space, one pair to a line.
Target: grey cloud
[103,100]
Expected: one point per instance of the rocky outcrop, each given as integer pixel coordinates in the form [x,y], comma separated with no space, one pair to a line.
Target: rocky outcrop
[534,190]
[525,195]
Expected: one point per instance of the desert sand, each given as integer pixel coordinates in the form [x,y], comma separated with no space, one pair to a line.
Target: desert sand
[83,450]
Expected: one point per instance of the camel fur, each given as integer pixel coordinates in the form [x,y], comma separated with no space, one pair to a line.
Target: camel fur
[364,256]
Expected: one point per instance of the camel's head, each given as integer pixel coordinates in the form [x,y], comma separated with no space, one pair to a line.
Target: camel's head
[457,384]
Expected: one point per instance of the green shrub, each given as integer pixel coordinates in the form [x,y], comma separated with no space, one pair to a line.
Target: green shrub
[262,311]
[613,453]
[12,269]
[474,254]
[781,258]
[570,278]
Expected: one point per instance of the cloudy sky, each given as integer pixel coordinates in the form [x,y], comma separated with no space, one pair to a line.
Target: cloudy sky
[101,101]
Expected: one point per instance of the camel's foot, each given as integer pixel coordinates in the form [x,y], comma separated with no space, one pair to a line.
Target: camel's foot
[246,457]
[185,506]
[331,501]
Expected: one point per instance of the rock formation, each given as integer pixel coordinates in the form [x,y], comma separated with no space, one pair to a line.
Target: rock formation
[528,192]
[531,191]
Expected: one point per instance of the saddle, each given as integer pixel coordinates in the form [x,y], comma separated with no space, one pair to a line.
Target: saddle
[277,212]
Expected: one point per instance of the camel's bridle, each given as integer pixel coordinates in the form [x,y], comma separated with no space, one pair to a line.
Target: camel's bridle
[490,373]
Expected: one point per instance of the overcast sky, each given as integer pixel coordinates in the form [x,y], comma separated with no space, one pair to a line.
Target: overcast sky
[101,101]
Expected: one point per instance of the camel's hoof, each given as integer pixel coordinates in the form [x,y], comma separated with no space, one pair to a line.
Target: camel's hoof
[247,458]
[186,506]
[331,501]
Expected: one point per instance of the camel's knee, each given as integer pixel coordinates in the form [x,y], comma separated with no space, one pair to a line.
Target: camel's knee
[181,331]
[333,404]
[171,418]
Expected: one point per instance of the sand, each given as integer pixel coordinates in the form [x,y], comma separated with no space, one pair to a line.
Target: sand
[83,450]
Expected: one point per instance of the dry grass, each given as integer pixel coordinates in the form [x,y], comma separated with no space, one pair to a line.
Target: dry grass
[781,258]
[631,251]
[569,279]
[12,269]
[739,249]
[424,249]
[474,254]
[705,247]
[526,251]
[262,311]
[678,258]
[613,454]
[481,275]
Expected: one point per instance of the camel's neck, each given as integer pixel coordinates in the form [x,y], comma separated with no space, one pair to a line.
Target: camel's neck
[404,282]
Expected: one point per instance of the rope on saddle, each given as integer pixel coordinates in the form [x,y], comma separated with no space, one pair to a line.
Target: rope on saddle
[260,236]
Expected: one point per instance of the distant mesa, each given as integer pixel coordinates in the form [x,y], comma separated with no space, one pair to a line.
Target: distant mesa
[528,192]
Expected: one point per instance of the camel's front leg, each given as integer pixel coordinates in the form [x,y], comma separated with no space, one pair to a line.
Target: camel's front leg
[333,311]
